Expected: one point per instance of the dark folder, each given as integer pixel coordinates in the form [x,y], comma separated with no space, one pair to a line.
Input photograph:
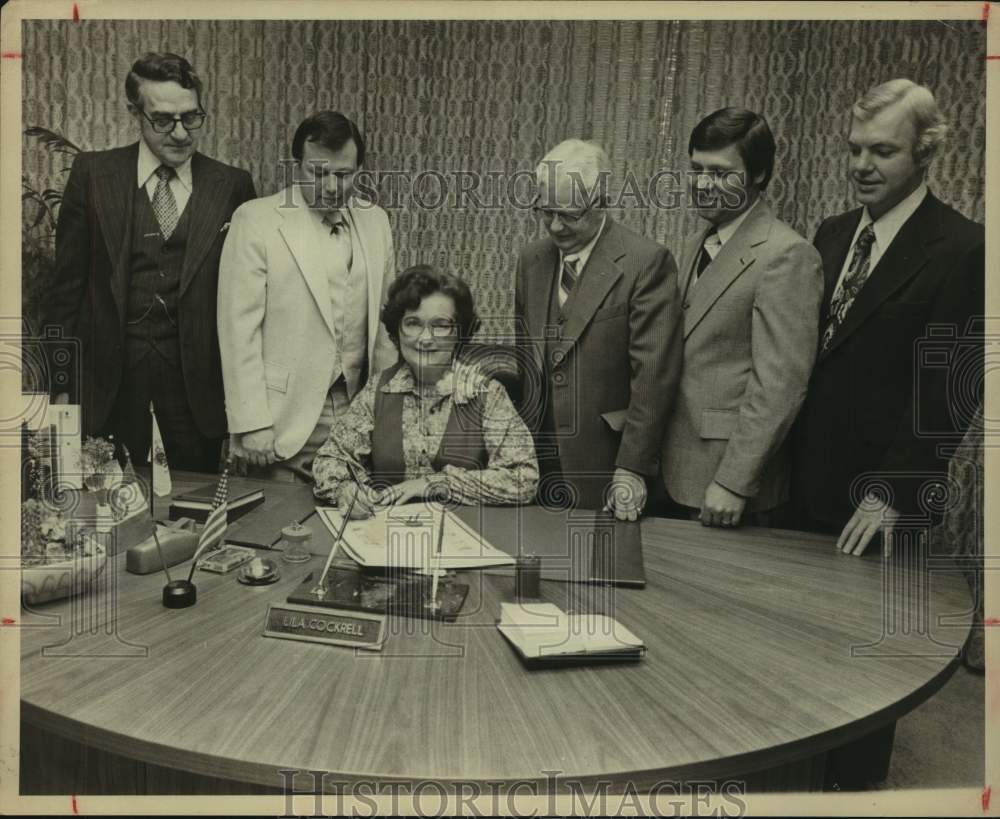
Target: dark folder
[578,546]
[284,503]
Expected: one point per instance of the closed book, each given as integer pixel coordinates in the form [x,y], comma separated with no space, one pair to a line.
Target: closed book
[197,503]
[543,635]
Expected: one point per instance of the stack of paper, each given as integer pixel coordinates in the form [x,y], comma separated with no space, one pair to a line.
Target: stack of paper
[407,537]
[543,631]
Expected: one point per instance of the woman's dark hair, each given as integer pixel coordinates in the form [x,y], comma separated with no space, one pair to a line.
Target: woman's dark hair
[414,285]
[745,129]
[161,67]
[330,130]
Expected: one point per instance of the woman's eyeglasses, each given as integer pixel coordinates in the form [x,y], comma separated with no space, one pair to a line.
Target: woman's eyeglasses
[412,327]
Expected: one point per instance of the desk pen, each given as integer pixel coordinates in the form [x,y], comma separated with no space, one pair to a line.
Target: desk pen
[433,604]
[320,588]
[360,484]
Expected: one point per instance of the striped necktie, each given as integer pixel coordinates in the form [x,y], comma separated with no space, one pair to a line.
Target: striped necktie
[164,204]
[569,276]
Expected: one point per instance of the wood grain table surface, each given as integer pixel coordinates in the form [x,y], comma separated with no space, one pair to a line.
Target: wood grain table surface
[764,646]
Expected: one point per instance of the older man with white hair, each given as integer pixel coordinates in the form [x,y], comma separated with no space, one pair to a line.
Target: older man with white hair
[598,314]
[897,374]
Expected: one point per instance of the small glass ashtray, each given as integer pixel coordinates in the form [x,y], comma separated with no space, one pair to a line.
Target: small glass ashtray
[259,572]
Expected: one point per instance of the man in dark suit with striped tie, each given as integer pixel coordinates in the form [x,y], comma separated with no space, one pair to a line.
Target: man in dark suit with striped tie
[598,320]
[138,241]
[899,369]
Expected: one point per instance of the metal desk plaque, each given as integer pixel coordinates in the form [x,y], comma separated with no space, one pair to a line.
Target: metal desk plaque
[357,629]
[379,593]
[403,594]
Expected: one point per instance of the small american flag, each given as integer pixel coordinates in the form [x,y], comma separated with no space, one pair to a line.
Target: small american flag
[215,523]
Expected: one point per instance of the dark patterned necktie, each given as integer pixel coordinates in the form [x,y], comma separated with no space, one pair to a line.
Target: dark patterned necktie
[164,204]
[335,221]
[850,286]
[567,280]
[705,258]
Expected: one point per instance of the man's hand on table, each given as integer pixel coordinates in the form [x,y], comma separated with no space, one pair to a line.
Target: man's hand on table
[626,495]
[872,515]
[721,507]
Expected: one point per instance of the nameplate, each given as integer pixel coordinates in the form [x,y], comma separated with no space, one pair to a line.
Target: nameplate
[359,629]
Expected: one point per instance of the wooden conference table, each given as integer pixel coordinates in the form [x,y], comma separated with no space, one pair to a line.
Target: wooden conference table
[767,650]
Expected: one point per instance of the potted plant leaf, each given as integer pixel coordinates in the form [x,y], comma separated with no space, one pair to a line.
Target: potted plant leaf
[100,469]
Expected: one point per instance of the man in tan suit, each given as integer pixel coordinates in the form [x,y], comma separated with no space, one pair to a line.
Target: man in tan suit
[302,280]
[751,290]
[597,310]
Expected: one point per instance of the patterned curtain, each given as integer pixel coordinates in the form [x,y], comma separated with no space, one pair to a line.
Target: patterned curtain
[441,101]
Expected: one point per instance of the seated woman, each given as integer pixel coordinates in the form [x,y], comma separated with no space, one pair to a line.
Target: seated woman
[429,426]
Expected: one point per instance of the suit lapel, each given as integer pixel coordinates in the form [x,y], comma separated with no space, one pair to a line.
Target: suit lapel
[539,279]
[902,260]
[362,250]
[735,257]
[300,234]
[833,252]
[115,185]
[688,260]
[209,199]
[599,276]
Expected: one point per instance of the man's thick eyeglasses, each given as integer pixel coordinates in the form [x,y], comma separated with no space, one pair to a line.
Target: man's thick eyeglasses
[564,217]
[412,327]
[164,123]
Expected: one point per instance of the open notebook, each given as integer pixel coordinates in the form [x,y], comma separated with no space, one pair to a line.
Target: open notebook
[542,632]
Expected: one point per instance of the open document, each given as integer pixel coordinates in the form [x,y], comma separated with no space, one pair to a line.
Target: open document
[408,537]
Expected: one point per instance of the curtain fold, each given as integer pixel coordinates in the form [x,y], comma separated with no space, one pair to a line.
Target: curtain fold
[452,99]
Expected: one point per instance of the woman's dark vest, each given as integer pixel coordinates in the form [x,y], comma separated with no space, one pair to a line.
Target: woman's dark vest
[461,445]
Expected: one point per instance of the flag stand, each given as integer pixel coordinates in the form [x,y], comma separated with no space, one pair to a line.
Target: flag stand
[177,594]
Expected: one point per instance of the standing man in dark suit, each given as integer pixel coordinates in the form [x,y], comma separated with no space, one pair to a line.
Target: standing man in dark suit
[597,311]
[751,290]
[138,241]
[903,273]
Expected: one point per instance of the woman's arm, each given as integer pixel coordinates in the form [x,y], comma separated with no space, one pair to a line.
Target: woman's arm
[350,440]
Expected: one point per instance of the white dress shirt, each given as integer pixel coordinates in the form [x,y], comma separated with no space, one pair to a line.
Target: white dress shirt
[724,232]
[886,227]
[180,183]
[347,281]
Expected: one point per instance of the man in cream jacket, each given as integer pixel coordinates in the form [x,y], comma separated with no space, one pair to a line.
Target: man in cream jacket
[302,279]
